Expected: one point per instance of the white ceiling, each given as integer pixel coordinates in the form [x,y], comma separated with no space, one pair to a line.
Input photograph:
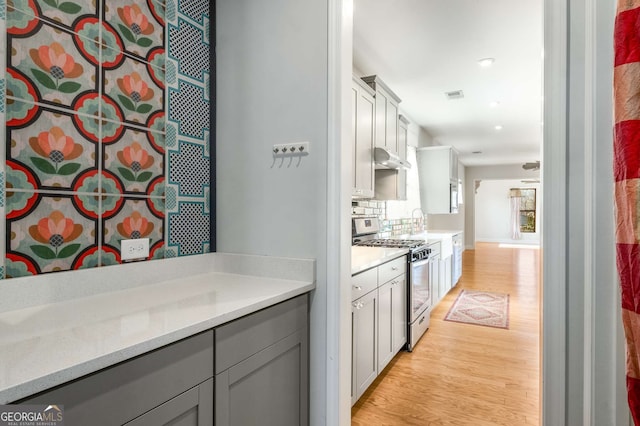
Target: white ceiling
[424,48]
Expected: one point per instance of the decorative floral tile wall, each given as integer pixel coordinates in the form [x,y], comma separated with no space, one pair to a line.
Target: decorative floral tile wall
[105,110]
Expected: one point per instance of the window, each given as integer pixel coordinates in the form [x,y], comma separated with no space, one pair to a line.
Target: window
[527,210]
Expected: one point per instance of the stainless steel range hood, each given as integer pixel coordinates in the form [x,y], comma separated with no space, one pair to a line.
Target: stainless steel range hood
[389,160]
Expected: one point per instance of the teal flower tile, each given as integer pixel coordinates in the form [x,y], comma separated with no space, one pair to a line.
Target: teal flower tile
[53,150]
[52,235]
[99,118]
[134,161]
[21,17]
[135,91]
[2,94]
[63,12]
[19,266]
[137,25]
[134,220]
[99,43]
[97,256]
[53,65]
[91,190]
[20,177]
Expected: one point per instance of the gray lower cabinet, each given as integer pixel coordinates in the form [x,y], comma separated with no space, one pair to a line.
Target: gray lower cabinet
[261,378]
[156,388]
[378,321]
[364,357]
[262,368]
[385,326]
[445,276]
[434,273]
[191,408]
[398,313]
[392,319]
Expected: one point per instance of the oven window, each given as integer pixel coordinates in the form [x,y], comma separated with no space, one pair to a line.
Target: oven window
[420,291]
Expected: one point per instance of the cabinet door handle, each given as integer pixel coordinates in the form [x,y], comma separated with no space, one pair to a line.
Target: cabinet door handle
[358,305]
[357,287]
[394,268]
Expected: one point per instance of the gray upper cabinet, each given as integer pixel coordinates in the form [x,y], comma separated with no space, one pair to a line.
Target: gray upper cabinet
[362,133]
[386,125]
[262,368]
[438,172]
[392,184]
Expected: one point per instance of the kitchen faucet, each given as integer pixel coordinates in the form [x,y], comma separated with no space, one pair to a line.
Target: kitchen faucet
[413,222]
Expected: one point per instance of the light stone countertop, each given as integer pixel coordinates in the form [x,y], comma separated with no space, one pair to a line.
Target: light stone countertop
[363,258]
[48,344]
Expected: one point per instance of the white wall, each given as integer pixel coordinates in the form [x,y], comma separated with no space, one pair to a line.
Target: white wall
[493,212]
[272,87]
[472,174]
[583,350]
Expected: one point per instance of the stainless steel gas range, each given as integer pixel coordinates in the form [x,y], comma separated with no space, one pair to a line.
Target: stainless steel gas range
[365,232]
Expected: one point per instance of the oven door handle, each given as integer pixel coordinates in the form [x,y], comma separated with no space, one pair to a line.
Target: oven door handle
[420,263]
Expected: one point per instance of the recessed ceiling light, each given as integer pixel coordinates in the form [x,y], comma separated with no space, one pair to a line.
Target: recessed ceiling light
[486,62]
[498,127]
[476,152]
[494,104]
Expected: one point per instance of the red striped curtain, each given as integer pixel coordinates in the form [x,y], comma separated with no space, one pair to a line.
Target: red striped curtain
[626,169]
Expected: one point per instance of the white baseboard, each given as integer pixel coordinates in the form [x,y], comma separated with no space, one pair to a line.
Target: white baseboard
[507,241]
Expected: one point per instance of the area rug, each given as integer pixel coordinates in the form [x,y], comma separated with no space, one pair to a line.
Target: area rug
[480,308]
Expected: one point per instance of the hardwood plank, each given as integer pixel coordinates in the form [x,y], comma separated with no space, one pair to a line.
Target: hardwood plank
[462,374]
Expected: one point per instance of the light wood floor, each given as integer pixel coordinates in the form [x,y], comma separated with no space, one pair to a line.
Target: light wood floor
[461,374]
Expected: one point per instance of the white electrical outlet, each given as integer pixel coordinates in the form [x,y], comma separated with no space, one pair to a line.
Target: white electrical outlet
[137,248]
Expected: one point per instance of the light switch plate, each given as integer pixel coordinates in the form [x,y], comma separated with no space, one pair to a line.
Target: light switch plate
[137,248]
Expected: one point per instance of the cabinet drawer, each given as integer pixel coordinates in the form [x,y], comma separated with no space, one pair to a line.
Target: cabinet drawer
[388,271]
[248,335]
[363,283]
[123,392]
[193,407]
